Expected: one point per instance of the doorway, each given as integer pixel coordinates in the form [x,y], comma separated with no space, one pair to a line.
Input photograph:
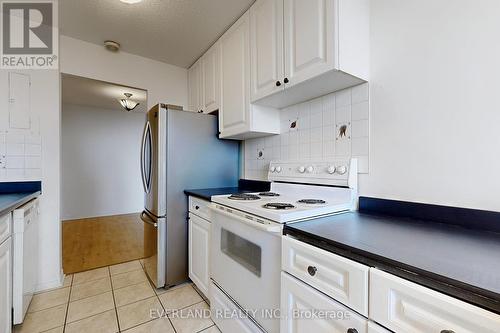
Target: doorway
[101,189]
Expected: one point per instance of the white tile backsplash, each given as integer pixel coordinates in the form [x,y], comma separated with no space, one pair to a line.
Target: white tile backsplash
[20,155]
[317,132]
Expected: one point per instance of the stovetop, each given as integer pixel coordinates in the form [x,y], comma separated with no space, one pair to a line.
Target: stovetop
[291,202]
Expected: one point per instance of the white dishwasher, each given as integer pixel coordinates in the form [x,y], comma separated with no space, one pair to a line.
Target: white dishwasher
[25,258]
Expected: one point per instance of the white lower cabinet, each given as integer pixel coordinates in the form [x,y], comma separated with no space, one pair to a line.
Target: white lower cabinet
[306,310]
[403,306]
[342,279]
[5,286]
[199,252]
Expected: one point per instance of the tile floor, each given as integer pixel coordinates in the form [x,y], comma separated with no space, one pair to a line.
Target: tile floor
[116,298]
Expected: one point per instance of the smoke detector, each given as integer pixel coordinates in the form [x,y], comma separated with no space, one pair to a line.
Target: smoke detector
[112,46]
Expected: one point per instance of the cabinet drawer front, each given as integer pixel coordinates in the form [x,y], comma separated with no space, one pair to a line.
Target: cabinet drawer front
[344,280]
[299,306]
[404,306]
[199,207]
[5,227]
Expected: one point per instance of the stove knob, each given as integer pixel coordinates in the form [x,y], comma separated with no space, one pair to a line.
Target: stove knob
[310,169]
[278,169]
[302,169]
[342,169]
[331,169]
[272,168]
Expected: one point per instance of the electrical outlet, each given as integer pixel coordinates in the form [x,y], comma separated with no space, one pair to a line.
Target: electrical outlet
[260,153]
[2,162]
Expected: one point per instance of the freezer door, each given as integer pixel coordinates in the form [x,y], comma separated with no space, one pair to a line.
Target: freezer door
[154,257]
[153,161]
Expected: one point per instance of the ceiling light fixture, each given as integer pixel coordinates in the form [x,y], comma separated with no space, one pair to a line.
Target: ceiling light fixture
[112,46]
[131,2]
[127,103]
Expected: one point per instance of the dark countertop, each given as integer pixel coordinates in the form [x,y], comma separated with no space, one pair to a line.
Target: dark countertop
[207,193]
[11,201]
[454,260]
[244,186]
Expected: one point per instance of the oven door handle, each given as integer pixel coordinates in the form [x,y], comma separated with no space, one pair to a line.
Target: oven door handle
[261,226]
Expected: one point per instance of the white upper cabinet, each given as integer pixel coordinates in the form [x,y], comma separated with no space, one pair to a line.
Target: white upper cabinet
[309,42]
[325,48]
[266,40]
[211,79]
[238,119]
[235,71]
[195,87]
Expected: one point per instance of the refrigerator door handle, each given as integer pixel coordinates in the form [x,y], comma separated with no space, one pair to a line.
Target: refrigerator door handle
[147,132]
[146,219]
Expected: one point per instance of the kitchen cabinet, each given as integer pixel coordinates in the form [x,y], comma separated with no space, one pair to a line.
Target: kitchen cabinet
[238,119]
[342,279]
[5,274]
[299,302]
[324,48]
[195,97]
[210,63]
[199,244]
[403,306]
[266,45]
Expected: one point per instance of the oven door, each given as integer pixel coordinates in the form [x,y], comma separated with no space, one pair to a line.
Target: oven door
[246,261]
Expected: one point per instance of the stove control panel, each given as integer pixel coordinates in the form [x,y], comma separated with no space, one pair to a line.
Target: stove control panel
[341,172]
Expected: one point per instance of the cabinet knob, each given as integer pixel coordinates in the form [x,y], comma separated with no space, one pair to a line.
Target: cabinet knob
[197,207]
[447,331]
[312,270]
[352,330]
[201,111]
[278,83]
[286,80]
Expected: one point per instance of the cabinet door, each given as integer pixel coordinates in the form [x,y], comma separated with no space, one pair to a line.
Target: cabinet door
[5,287]
[195,89]
[306,310]
[309,28]
[199,242]
[235,99]
[211,79]
[266,47]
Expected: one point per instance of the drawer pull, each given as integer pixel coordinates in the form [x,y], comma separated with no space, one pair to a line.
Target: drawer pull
[352,330]
[197,207]
[447,331]
[312,270]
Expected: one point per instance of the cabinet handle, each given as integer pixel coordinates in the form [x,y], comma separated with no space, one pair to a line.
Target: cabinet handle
[278,83]
[447,331]
[197,207]
[352,330]
[312,270]
[286,80]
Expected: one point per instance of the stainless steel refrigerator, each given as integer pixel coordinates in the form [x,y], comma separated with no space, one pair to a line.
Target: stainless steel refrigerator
[180,150]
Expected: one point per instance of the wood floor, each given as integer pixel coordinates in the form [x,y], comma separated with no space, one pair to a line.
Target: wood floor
[101,241]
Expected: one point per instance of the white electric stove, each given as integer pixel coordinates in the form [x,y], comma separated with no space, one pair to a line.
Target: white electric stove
[300,191]
[246,235]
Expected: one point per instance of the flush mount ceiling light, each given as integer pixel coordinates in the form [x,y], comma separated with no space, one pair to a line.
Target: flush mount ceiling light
[112,46]
[127,103]
[130,2]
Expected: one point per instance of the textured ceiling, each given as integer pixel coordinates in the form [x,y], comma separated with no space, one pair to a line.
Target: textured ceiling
[99,94]
[173,31]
